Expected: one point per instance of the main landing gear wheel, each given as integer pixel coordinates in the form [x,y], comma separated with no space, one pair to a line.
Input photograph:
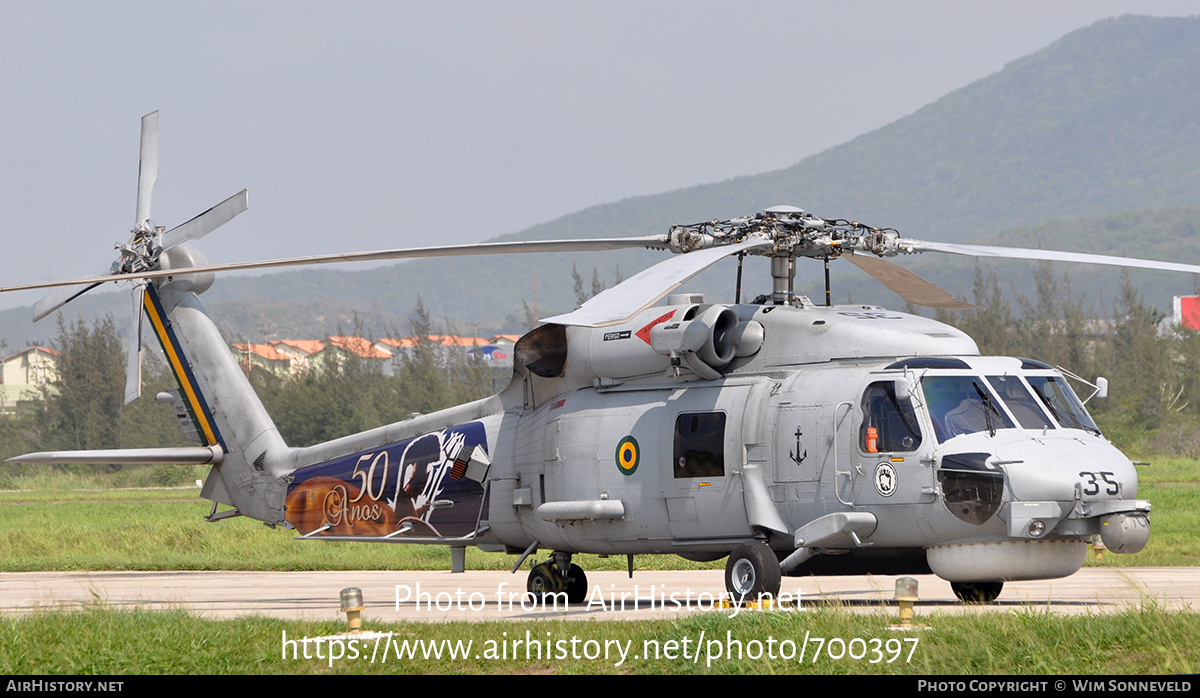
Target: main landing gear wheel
[752,572]
[545,579]
[977,592]
[577,585]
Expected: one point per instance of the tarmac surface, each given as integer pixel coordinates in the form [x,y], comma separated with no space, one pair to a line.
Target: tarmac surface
[435,596]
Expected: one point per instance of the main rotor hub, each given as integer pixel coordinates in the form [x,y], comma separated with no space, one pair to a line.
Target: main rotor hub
[792,232]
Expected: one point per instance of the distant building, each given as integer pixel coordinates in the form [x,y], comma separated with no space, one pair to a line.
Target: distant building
[1187,312]
[263,357]
[25,374]
[287,357]
[338,349]
[400,347]
[299,350]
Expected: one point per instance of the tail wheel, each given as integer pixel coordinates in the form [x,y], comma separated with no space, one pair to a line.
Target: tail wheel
[752,572]
[977,592]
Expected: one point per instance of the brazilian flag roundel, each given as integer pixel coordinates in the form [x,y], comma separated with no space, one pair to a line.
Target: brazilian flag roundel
[628,455]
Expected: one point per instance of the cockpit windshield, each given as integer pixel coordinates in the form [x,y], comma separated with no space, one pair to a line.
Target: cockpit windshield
[1023,406]
[968,404]
[962,405]
[1062,403]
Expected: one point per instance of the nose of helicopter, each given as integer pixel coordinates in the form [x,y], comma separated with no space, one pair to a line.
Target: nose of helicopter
[1066,470]
[1091,484]
[1048,488]
[1044,499]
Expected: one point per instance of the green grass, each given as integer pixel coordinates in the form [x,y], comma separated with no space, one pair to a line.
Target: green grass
[1174,520]
[69,528]
[65,526]
[107,641]
[164,529]
[1168,470]
[1172,486]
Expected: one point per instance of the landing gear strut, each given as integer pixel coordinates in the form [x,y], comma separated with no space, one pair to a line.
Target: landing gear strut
[557,576]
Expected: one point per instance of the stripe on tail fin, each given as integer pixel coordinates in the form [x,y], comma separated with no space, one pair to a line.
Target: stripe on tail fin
[193,397]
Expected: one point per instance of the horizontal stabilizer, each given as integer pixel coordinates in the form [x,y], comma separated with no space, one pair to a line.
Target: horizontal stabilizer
[182,455]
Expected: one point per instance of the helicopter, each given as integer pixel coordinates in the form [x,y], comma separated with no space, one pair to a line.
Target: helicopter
[790,437]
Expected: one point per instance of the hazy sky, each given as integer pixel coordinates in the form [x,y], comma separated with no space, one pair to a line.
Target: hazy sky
[369,125]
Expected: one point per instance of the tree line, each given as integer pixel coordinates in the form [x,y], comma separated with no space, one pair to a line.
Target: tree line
[1153,404]
[81,407]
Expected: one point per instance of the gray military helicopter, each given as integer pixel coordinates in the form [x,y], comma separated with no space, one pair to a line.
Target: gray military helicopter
[793,438]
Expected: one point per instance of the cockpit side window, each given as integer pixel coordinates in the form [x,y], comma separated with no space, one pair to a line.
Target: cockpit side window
[962,405]
[1023,406]
[889,425]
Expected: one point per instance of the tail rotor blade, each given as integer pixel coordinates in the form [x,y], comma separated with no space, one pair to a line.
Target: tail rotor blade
[58,298]
[147,167]
[133,347]
[206,222]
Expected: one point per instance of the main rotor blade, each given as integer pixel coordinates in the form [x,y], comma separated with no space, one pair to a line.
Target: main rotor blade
[657,242]
[648,286]
[206,222]
[133,346]
[906,284]
[147,167]
[56,299]
[1047,255]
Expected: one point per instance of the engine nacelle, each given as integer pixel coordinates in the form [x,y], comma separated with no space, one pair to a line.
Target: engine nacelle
[702,338]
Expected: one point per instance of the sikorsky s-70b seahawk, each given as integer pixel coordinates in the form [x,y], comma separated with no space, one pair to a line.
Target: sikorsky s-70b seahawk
[792,437]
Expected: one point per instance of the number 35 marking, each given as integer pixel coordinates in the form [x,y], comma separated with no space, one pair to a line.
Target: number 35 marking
[1092,483]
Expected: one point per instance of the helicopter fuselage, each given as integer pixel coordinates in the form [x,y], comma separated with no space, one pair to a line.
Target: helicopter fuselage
[848,439]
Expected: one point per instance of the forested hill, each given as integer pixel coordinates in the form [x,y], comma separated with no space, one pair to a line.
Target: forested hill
[1106,119]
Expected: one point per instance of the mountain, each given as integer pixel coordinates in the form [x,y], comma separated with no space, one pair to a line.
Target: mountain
[1104,120]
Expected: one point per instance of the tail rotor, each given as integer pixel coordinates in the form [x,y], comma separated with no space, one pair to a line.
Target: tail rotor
[142,252]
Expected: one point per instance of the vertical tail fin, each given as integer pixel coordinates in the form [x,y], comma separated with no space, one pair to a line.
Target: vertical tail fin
[223,405]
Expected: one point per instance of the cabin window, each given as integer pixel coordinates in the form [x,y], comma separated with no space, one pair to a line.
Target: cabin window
[889,426]
[699,445]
